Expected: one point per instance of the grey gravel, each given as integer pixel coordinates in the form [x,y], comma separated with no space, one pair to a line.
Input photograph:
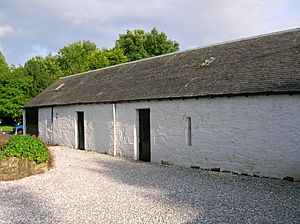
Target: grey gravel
[87,187]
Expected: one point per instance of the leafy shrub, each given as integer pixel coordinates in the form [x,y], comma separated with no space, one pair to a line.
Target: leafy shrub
[27,147]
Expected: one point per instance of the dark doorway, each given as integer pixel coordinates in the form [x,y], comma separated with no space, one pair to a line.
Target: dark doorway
[144,135]
[32,118]
[80,129]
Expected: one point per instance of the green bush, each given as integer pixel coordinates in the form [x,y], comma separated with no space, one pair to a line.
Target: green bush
[27,147]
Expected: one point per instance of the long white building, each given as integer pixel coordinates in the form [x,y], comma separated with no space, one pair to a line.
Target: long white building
[233,106]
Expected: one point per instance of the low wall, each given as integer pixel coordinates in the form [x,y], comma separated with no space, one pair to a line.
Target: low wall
[13,168]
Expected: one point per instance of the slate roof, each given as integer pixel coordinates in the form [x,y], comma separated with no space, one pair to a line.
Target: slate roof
[267,64]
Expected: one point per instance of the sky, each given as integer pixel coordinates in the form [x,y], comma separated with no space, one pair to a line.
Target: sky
[38,27]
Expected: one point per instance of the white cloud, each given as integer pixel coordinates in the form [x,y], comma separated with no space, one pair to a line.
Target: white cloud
[191,22]
[37,50]
[4,29]
[53,24]
[79,12]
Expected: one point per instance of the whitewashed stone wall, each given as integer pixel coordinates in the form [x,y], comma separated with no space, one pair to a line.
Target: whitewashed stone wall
[257,135]
[97,121]
[45,124]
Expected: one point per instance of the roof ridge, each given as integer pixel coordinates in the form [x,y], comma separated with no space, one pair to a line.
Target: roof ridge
[187,50]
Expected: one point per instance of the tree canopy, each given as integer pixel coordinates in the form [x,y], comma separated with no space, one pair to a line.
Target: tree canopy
[4,68]
[73,57]
[19,84]
[14,93]
[43,72]
[116,56]
[139,44]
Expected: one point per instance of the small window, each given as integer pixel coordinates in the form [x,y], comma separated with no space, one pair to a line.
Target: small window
[52,115]
[61,85]
[188,135]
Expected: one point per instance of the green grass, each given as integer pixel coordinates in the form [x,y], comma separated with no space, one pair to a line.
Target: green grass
[6,128]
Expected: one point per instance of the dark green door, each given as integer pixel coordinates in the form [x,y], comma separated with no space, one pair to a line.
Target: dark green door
[144,135]
[80,129]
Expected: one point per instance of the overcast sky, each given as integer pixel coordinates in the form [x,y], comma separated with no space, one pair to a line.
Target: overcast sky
[38,27]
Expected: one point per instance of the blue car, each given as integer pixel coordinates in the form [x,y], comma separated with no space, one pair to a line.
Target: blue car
[18,129]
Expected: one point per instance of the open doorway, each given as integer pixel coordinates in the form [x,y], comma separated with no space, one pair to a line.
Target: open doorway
[32,119]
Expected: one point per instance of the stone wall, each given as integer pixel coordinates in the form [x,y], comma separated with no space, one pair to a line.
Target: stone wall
[255,135]
[13,168]
[45,124]
[62,128]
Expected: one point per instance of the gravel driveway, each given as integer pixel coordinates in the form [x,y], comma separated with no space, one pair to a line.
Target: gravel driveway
[88,187]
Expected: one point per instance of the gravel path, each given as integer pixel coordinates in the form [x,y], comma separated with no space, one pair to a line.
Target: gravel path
[88,187]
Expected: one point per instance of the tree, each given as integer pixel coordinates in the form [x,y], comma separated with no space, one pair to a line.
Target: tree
[138,44]
[4,69]
[105,57]
[158,43]
[53,67]
[14,90]
[43,72]
[116,55]
[97,60]
[132,43]
[73,58]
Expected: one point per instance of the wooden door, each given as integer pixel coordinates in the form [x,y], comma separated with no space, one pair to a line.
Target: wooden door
[144,135]
[80,129]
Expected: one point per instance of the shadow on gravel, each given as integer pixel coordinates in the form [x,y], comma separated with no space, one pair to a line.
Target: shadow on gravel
[21,206]
[219,197]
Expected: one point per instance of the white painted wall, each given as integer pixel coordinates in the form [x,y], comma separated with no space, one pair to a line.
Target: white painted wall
[98,126]
[24,122]
[45,124]
[254,135]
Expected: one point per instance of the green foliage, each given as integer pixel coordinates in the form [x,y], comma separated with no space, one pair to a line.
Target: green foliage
[73,58]
[14,93]
[158,43]
[4,69]
[43,72]
[138,44]
[116,56]
[97,59]
[27,147]
[132,42]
